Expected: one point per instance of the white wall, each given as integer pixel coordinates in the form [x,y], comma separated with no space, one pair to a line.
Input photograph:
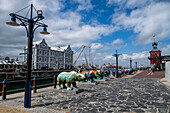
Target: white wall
[167,71]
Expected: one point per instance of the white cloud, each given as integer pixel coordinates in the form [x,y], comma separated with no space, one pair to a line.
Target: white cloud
[115,44]
[84,5]
[141,58]
[51,6]
[147,21]
[166,50]
[135,56]
[117,41]
[124,59]
[79,34]
[108,58]
[96,46]
[130,4]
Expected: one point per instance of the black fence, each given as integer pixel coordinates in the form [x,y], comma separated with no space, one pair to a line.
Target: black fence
[10,87]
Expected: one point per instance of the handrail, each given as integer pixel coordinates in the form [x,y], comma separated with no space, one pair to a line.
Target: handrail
[24,80]
[15,90]
[22,89]
[45,85]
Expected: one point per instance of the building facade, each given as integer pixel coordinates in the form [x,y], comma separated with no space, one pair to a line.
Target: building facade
[155,57]
[7,63]
[50,57]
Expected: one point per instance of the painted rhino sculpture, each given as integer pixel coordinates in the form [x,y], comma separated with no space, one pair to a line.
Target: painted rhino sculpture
[91,75]
[69,78]
[98,75]
[129,71]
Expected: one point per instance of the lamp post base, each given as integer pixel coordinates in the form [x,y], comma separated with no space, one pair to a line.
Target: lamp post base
[27,100]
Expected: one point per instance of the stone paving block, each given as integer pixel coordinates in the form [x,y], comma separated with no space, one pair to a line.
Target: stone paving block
[124,110]
[138,110]
[151,110]
[105,79]
[68,91]
[87,83]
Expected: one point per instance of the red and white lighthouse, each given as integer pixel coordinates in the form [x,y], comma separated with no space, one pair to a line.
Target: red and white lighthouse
[155,56]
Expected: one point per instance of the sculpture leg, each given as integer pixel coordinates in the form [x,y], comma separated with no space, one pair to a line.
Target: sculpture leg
[74,84]
[58,84]
[89,80]
[92,79]
[69,86]
[64,86]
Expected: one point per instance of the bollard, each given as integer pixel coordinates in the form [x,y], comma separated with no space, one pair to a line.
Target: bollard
[54,81]
[4,87]
[34,84]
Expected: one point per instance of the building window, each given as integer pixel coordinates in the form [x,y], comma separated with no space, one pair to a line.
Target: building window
[51,53]
[40,59]
[51,59]
[39,66]
[45,52]
[40,52]
[45,59]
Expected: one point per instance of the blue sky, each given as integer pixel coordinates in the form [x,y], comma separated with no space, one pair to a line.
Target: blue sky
[106,25]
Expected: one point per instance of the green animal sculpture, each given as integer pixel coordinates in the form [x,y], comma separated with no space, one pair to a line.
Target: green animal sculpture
[69,78]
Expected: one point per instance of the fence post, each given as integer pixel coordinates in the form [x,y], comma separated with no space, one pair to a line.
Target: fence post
[54,81]
[4,87]
[34,84]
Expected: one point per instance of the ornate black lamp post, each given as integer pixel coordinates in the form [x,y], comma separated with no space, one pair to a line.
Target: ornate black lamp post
[30,24]
[136,64]
[130,63]
[116,55]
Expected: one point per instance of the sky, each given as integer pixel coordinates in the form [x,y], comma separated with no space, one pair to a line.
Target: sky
[127,26]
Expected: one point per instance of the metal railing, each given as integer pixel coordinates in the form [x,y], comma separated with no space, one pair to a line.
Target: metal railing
[34,86]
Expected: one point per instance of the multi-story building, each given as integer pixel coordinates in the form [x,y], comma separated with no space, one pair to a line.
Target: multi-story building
[7,63]
[51,57]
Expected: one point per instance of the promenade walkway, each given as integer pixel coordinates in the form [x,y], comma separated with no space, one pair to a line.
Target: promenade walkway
[133,95]
[150,74]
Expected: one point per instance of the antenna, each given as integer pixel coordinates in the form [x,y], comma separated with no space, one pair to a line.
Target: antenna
[154,37]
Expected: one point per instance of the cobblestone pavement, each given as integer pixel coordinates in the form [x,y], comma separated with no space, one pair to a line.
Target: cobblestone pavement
[116,95]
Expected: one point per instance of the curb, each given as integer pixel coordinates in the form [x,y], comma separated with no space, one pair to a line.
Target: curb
[136,74]
[163,83]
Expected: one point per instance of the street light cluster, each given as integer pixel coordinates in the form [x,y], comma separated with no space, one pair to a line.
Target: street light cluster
[30,24]
[25,21]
